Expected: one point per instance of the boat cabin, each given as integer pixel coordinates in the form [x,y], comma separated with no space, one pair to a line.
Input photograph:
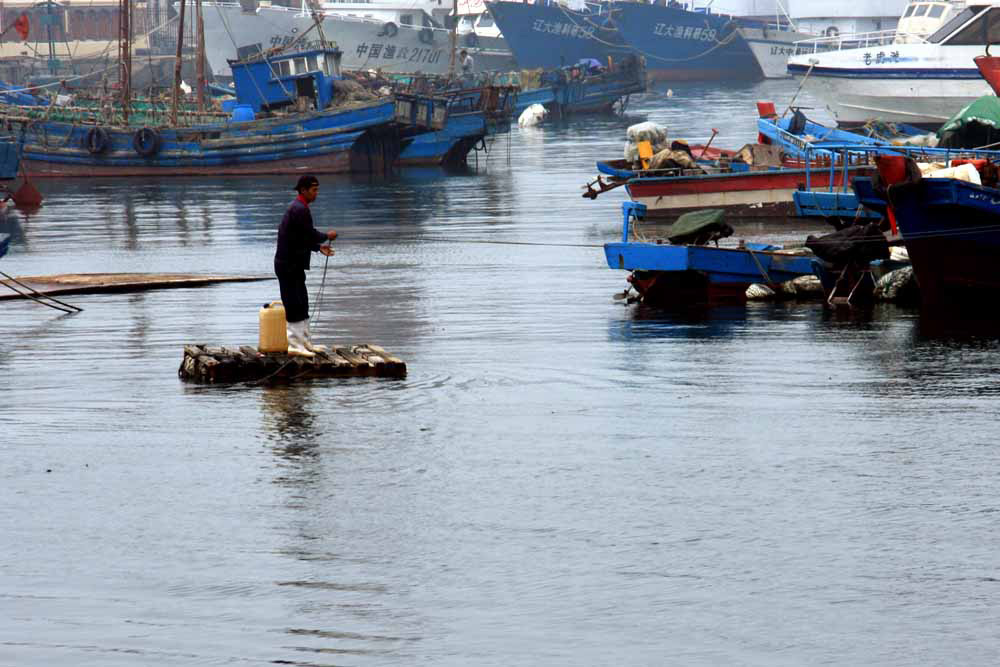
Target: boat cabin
[922,18]
[303,79]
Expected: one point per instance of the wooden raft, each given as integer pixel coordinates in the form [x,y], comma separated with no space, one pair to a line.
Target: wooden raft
[205,363]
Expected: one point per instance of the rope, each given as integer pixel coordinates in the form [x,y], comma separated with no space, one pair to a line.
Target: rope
[319,294]
[760,267]
[808,72]
[37,296]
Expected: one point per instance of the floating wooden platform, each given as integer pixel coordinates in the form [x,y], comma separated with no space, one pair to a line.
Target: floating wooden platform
[96,283]
[205,363]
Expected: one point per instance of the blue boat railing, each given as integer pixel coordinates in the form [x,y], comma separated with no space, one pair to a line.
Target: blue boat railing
[630,210]
[852,157]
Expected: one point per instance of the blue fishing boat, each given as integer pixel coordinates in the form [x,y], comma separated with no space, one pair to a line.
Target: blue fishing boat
[4,244]
[820,147]
[549,35]
[472,116]
[10,158]
[951,229]
[586,87]
[683,45]
[671,273]
[287,121]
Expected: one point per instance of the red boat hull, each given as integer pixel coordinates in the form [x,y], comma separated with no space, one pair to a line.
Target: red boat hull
[763,192]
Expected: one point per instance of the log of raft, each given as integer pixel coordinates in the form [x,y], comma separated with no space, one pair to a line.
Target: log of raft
[99,283]
[212,364]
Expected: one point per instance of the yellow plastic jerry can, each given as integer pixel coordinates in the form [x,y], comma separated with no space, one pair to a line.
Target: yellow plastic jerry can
[273,337]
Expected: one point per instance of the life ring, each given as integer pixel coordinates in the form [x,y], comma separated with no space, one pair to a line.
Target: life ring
[426,36]
[389,29]
[472,39]
[832,31]
[97,140]
[146,141]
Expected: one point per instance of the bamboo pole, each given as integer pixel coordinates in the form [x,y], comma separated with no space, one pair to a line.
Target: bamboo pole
[454,38]
[201,56]
[177,65]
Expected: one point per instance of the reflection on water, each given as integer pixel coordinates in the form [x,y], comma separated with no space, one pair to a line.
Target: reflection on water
[561,479]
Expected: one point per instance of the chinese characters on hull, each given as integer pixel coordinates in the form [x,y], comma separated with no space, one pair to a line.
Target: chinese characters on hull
[378,51]
[880,58]
[685,32]
[567,29]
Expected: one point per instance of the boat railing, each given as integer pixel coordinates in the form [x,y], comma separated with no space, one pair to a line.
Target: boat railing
[631,210]
[860,40]
[847,158]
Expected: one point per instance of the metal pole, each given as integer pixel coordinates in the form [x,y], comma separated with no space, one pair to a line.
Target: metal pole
[177,65]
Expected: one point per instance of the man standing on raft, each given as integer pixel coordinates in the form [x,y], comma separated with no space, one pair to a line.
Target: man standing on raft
[297,240]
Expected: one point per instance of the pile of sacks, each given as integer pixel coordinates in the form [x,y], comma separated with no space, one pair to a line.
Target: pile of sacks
[672,155]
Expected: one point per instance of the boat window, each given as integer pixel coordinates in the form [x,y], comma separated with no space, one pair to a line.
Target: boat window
[985,29]
[935,12]
[312,63]
[485,21]
[327,67]
[921,10]
[285,67]
[951,26]
[406,19]
[300,65]
[909,11]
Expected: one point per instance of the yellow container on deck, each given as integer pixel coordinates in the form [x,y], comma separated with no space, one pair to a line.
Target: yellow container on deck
[273,337]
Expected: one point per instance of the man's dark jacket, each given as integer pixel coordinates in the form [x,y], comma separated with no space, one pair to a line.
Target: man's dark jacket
[297,238]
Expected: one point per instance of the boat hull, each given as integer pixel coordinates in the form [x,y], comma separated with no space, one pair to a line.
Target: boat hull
[366,44]
[359,138]
[551,36]
[772,49]
[666,274]
[949,228]
[680,45]
[919,84]
[749,194]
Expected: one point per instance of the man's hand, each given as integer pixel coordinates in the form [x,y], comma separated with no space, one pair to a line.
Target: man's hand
[326,250]
[331,235]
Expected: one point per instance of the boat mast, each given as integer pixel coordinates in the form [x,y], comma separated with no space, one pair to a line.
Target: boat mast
[125,55]
[200,55]
[454,38]
[177,64]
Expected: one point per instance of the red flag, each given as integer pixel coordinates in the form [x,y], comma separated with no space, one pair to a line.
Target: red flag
[22,26]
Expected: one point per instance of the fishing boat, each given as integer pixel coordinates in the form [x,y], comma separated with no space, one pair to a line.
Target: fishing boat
[901,77]
[287,122]
[754,182]
[550,35]
[586,87]
[367,43]
[472,116]
[679,267]
[10,158]
[4,244]
[950,228]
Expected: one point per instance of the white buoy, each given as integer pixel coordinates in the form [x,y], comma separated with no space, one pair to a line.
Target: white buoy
[670,92]
[533,115]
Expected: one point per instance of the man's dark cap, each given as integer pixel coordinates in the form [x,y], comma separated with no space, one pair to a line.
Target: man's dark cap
[306,182]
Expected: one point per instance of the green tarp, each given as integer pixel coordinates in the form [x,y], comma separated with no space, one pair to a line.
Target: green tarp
[977,125]
[699,227]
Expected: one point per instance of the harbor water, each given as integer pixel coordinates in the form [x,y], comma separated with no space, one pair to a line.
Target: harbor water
[561,479]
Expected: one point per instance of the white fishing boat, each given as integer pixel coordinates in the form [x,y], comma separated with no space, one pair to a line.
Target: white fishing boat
[921,74]
[393,40]
[773,28]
